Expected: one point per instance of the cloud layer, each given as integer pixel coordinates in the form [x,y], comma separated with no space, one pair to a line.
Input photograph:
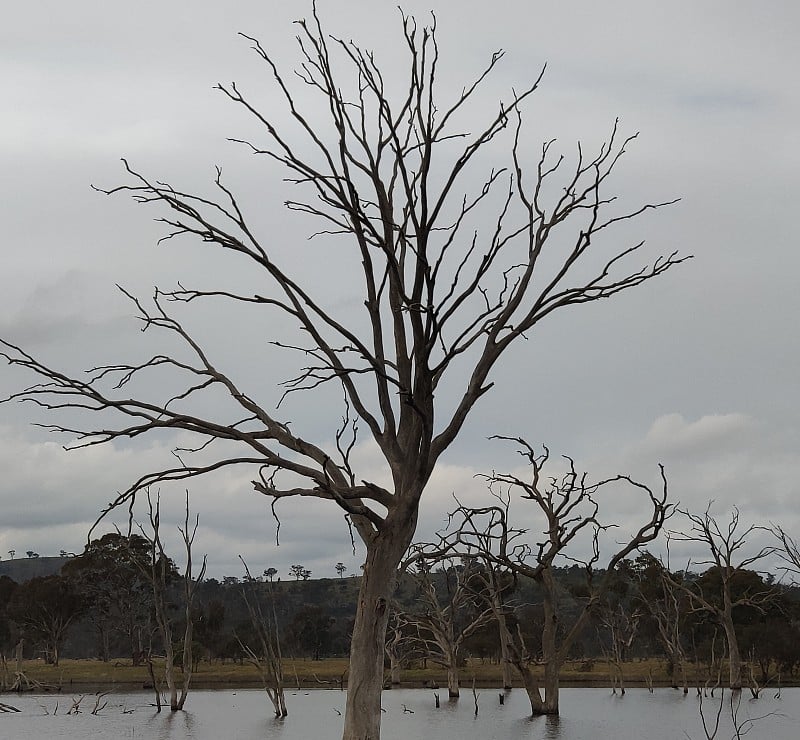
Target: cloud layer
[697,371]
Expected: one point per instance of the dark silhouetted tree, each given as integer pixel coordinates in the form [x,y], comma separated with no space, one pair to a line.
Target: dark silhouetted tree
[457,259]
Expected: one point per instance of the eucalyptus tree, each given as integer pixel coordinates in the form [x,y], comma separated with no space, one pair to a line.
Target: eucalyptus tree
[160,571]
[457,259]
[446,612]
[666,609]
[109,577]
[44,609]
[732,553]
[265,652]
[565,506]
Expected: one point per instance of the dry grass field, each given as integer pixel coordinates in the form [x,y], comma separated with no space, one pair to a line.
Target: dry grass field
[326,674]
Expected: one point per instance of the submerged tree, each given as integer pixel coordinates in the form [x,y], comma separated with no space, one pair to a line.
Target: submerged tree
[160,571]
[265,652]
[452,272]
[666,608]
[446,612]
[568,507]
[718,593]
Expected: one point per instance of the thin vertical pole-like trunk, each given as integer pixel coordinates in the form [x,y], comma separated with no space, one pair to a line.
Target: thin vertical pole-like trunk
[505,652]
[394,670]
[453,689]
[734,657]
[153,679]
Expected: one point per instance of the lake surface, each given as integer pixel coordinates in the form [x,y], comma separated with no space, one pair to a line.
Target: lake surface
[586,714]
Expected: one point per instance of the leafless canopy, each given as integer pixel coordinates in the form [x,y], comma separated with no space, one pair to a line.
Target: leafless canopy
[454,270]
[787,550]
[727,546]
[569,506]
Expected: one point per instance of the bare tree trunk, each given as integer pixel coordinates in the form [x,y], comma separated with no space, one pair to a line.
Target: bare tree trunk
[531,685]
[394,670]
[550,653]
[734,657]
[269,662]
[678,672]
[552,686]
[505,641]
[365,680]
[169,659]
[18,653]
[154,681]
[453,689]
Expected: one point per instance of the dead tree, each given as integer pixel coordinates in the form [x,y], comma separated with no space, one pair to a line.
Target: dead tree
[667,605]
[491,584]
[620,626]
[450,273]
[787,550]
[569,506]
[447,613]
[160,575]
[401,644]
[725,545]
[266,655]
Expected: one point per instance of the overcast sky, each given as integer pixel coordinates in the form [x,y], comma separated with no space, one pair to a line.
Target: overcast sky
[697,370]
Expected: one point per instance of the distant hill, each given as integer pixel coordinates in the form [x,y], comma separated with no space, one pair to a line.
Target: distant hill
[23,569]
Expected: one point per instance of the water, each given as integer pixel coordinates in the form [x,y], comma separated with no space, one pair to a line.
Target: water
[586,714]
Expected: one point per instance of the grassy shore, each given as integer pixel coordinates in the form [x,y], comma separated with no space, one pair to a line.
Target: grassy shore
[327,673]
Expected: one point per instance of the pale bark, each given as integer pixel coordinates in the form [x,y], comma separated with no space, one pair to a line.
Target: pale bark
[506,666]
[621,627]
[453,681]
[394,670]
[734,654]
[365,676]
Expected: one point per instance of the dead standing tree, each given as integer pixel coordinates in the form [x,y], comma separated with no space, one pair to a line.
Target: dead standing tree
[726,545]
[494,586]
[667,606]
[447,612]
[160,571]
[402,645]
[620,625]
[568,504]
[451,272]
[788,550]
[265,656]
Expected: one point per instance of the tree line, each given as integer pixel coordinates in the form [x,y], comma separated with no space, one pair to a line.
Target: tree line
[728,624]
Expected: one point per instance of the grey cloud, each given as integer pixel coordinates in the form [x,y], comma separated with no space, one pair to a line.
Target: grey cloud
[697,371]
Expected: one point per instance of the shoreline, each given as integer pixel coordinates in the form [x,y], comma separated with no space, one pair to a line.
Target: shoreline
[331,674]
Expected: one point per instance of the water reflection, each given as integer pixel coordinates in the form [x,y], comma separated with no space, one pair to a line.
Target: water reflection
[552,727]
[166,724]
